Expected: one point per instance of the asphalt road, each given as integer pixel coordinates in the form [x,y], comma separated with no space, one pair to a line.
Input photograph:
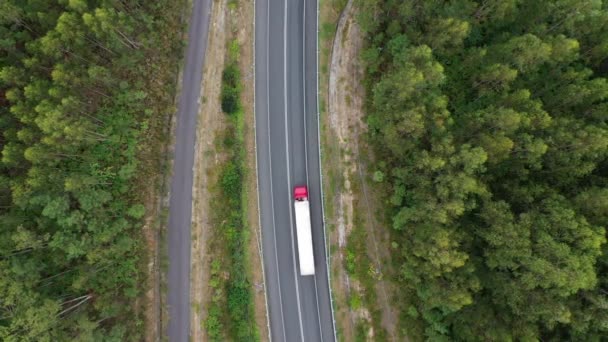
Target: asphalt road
[180,203]
[288,155]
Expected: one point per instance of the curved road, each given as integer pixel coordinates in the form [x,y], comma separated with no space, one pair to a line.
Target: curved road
[180,202]
[288,155]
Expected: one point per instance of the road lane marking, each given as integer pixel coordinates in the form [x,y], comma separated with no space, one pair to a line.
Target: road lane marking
[274,231]
[289,196]
[326,245]
[318,312]
[259,235]
[306,142]
[304,86]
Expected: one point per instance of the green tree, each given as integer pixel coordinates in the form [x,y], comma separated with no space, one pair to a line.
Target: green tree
[488,121]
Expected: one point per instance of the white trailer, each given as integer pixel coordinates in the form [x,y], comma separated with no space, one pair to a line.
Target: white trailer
[303,230]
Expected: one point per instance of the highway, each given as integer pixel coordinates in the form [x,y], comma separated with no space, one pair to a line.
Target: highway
[180,202]
[288,155]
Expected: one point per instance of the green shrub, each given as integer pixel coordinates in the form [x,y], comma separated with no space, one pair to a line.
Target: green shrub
[236,319]
[231,88]
[231,179]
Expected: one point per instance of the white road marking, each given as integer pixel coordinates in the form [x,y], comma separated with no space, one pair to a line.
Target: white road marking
[274,234]
[326,246]
[289,196]
[304,86]
[259,235]
[306,140]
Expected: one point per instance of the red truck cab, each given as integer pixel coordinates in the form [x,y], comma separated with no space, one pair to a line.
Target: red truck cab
[300,193]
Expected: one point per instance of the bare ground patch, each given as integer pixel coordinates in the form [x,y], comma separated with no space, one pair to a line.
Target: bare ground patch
[210,122]
[352,199]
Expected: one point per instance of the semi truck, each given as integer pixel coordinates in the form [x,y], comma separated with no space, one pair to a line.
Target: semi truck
[303,230]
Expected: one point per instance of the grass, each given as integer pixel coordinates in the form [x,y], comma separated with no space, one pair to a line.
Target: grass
[361,329]
[362,268]
[410,326]
[231,311]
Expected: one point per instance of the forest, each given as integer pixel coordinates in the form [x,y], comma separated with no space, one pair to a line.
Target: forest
[488,123]
[85,88]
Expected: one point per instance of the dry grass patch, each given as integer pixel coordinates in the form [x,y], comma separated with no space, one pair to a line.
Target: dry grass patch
[207,158]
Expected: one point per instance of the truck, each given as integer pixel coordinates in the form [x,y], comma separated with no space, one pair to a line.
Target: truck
[304,230]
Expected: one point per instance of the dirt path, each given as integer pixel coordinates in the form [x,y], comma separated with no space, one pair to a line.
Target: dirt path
[341,62]
[156,200]
[151,231]
[210,122]
[345,100]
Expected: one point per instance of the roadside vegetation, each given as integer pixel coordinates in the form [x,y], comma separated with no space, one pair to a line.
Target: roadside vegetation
[363,268]
[488,125]
[231,311]
[86,89]
[355,264]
